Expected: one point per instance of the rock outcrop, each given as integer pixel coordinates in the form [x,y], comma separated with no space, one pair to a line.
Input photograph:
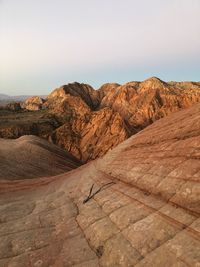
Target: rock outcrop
[84,91]
[145,213]
[141,103]
[92,135]
[33,103]
[135,104]
[107,88]
[85,133]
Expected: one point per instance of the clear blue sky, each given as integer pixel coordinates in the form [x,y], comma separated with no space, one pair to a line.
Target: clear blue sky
[47,43]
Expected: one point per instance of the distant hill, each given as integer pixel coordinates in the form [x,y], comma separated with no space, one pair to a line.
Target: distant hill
[17,98]
[5,99]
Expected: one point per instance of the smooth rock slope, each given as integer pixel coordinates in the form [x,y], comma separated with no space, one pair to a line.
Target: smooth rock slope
[30,156]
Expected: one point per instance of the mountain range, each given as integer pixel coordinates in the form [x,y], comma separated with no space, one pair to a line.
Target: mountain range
[88,122]
[5,99]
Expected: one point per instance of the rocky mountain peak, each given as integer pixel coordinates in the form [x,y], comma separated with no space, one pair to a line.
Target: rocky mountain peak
[153,83]
[84,91]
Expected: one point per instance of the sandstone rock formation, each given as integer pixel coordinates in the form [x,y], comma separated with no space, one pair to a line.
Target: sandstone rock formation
[107,88]
[84,91]
[141,103]
[84,133]
[33,103]
[135,104]
[88,122]
[149,216]
[30,156]
[92,135]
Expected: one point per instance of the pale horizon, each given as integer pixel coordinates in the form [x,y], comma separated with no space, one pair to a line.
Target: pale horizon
[45,44]
[96,88]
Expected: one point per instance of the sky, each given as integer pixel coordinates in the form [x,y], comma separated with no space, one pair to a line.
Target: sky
[47,43]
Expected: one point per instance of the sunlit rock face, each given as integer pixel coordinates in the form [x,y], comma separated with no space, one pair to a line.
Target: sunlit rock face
[84,91]
[144,210]
[141,103]
[33,103]
[85,133]
[128,108]
[91,135]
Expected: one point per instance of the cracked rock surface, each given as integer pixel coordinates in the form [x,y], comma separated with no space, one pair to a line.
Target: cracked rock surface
[148,217]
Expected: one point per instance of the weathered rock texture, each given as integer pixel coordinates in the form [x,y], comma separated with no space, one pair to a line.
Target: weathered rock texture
[92,135]
[33,103]
[84,91]
[150,217]
[141,103]
[96,121]
[30,156]
[88,122]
